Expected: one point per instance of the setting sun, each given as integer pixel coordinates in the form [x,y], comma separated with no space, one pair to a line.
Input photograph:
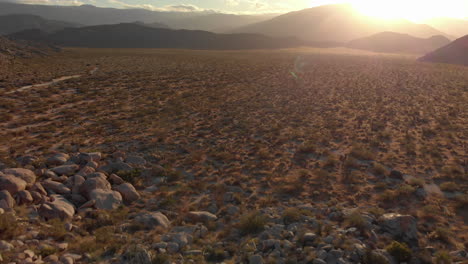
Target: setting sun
[414,10]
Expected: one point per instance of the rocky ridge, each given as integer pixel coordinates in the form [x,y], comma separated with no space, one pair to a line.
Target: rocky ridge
[66,204]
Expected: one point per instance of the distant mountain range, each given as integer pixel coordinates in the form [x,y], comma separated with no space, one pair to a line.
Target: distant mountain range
[398,43]
[454,53]
[131,35]
[19,22]
[339,23]
[89,15]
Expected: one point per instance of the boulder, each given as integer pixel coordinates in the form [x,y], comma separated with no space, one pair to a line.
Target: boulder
[57,159]
[114,179]
[129,193]
[400,227]
[136,255]
[94,184]
[9,201]
[59,207]
[85,171]
[26,175]
[106,199]
[201,216]
[24,197]
[12,184]
[152,219]
[55,187]
[66,169]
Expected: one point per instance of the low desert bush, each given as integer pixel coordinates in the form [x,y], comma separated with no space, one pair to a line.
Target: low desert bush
[400,251]
[252,223]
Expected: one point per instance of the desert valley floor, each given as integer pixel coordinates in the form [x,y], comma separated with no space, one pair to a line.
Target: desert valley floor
[287,156]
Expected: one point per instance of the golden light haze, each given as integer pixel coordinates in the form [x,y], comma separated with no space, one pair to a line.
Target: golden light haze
[414,10]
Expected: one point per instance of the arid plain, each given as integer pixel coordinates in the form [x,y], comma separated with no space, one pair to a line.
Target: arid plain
[309,141]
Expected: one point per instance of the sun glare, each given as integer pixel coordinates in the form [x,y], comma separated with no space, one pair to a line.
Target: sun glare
[414,10]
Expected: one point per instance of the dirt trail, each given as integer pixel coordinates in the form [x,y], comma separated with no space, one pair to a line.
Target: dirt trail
[54,81]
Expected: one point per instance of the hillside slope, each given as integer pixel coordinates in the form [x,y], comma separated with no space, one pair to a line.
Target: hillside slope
[132,35]
[18,22]
[454,53]
[339,23]
[399,43]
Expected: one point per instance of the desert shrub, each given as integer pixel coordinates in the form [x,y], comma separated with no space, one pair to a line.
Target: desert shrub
[351,163]
[160,259]
[406,190]
[356,219]
[429,212]
[46,250]
[453,172]
[449,187]
[362,153]
[372,258]
[331,162]
[400,251]
[441,234]
[417,182]
[252,223]
[130,176]
[376,211]
[388,196]
[307,147]
[9,227]
[353,177]
[443,257]
[215,255]
[55,229]
[378,169]
[291,215]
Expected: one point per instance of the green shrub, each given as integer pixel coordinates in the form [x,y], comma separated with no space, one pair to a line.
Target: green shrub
[355,219]
[291,215]
[443,257]
[372,258]
[9,227]
[449,187]
[252,223]
[400,251]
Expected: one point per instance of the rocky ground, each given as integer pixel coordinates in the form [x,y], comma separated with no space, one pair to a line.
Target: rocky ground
[196,157]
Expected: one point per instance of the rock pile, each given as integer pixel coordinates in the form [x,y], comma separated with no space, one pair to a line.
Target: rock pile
[67,184]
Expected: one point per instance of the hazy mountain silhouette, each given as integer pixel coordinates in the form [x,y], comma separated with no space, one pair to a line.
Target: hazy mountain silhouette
[153,25]
[454,53]
[19,22]
[340,23]
[399,43]
[131,35]
[452,26]
[218,23]
[89,15]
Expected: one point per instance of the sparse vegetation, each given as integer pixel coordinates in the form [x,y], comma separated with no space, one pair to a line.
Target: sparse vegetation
[399,251]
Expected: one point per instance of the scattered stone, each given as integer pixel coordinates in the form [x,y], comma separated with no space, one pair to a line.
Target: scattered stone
[66,169]
[128,192]
[135,160]
[58,159]
[106,199]
[136,255]
[97,183]
[152,220]
[116,180]
[201,216]
[9,201]
[59,207]
[5,246]
[24,197]
[256,259]
[55,187]
[12,184]
[26,175]
[113,167]
[400,226]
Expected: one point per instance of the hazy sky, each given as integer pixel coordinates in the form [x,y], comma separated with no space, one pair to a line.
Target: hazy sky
[455,8]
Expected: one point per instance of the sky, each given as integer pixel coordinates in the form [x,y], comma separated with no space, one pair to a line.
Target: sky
[391,8]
